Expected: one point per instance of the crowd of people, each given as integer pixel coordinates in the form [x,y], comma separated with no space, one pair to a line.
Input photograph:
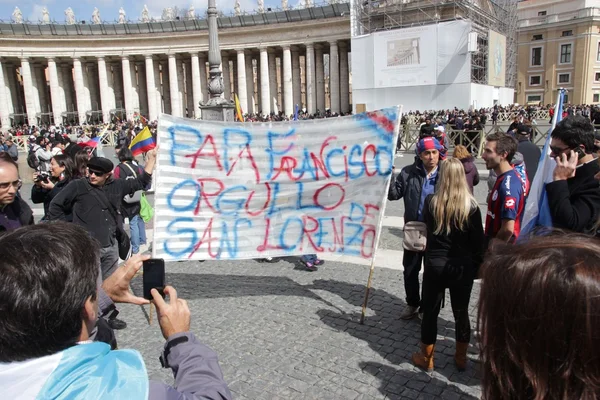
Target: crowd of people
[539,293]
[456,247]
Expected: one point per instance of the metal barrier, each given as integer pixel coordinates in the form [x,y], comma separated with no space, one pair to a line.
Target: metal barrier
[109,139]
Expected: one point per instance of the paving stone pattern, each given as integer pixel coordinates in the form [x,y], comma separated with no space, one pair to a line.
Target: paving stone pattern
[285,333]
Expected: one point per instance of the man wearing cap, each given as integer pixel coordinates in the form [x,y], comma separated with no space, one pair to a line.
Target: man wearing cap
[85,199]
[413,184]
[531,153]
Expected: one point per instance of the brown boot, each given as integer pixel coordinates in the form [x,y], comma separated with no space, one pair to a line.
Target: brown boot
[424,359]
[460,357]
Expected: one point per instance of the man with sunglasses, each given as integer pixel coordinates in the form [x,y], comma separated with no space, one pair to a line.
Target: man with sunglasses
[89,199]
[14,211]
[574,194]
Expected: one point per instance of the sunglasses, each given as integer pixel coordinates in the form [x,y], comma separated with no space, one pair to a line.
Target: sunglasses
[97,173]
[16,184]
[558,151]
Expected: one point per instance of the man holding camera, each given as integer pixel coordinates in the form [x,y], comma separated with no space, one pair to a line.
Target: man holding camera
[51,300]
[574,194]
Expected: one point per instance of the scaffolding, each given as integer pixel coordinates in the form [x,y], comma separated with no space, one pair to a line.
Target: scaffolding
[369,16]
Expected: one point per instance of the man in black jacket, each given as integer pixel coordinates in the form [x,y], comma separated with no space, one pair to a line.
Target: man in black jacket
[14,211]
[413,184]
[574,194]
[86,200]
[531,153]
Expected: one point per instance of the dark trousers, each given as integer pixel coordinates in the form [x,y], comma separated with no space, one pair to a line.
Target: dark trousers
[412,262]
[434,291]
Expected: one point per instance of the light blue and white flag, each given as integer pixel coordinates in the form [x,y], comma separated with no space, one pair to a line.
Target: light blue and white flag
[84,371]
[537,209]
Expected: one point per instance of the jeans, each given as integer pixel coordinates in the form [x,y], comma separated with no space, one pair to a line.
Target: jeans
[109,259]
[412,265]
[137,228]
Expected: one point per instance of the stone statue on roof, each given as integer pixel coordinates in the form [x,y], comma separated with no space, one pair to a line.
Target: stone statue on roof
[261,6]
[168,14]
[17,16]
[191,12]
[237,8]
[284,4]
[122,16]
[45,16]
[96,16]
[308,3]
[145,14]
[70,16]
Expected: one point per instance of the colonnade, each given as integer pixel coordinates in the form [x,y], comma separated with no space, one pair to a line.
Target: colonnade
[101,88]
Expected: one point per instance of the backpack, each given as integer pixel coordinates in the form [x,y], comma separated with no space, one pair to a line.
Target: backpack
[132,197]
[32,160]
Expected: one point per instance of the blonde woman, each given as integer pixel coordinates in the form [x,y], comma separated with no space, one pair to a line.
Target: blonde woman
[454,252]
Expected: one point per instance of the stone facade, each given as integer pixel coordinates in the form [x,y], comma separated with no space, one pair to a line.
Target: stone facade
[95,78]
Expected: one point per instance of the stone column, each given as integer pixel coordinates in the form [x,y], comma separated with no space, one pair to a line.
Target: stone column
[35,83]
[151,88]
[273,81]
[127,95]
[41,84]
[265,91]
[344,79]
[226,76]
[174,87]
[157,90]
[79,91]
[189,99]
[334,77]
[142,88]
[4,108]
[135,98]
[62,89]
[202,59]
[94,87]
[311,94]
[250,84]
[87,98]
[166,81]
[180,86]
[118,85]
[288,90]
[296,81]
[55,95]
[104,89]
[196,85]
[110,90]
[242,92]
[320,78]
[9,82]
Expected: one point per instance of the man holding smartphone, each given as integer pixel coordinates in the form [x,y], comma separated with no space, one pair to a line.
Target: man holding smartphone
[51,300]
[574,194]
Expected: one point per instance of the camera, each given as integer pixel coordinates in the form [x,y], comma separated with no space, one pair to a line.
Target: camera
[43,177]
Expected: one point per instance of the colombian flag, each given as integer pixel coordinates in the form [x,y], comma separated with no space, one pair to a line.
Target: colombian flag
[238,110]
[142,143]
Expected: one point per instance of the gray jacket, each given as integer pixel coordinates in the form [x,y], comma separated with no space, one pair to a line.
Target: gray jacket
[195,366]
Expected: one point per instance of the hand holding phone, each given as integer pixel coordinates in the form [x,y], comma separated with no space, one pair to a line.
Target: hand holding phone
[173,317]
[154,277]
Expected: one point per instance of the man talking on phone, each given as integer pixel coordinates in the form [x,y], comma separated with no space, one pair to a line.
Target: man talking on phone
[50,300]
[574,194]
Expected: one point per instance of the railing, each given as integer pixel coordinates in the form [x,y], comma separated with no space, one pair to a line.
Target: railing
[109,139]
[540,116]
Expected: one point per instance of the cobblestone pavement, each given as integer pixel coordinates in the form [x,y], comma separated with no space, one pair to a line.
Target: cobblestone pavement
[284,333]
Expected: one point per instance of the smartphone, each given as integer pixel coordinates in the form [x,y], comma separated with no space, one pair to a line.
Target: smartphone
[154,276]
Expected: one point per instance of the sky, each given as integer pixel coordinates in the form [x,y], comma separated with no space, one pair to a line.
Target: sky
[109,9]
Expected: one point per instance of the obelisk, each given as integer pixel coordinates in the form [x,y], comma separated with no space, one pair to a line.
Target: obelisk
[216,108]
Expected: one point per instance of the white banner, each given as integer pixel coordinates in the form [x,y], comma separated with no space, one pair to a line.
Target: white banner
[252,190]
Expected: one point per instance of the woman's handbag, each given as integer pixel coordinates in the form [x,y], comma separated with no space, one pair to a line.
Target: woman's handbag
[415,236]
